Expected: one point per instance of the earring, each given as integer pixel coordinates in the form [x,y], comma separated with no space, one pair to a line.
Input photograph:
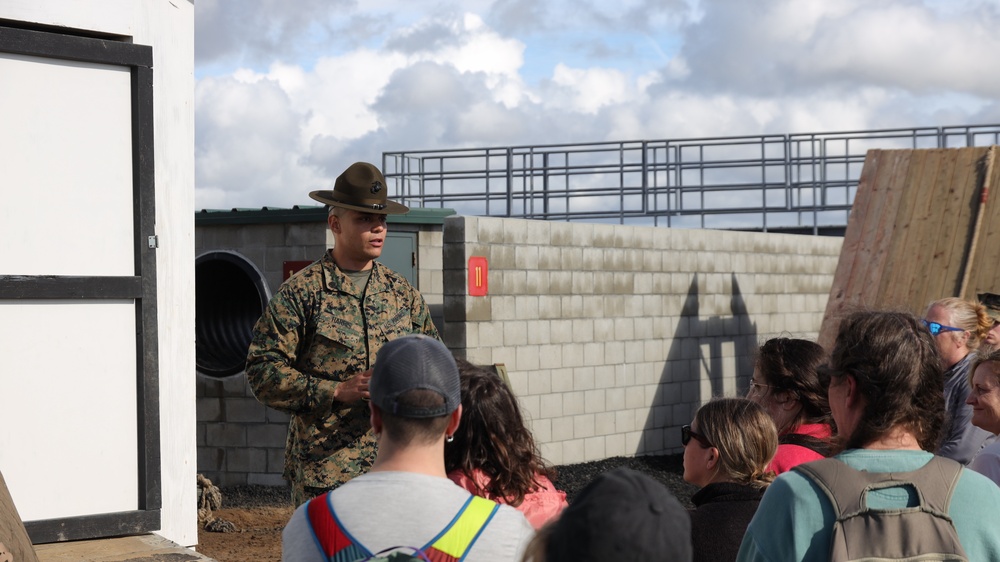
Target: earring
[450,438]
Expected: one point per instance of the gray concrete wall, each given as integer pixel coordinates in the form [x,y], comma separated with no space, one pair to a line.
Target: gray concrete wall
[266,246]
[241,441]
[614,335]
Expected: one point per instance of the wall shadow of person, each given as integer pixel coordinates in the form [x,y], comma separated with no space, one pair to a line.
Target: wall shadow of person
[708,357]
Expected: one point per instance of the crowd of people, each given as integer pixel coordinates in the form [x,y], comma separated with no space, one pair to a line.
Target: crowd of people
[882,447]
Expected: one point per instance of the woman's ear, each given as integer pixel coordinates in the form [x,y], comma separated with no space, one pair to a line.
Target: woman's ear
[786,399]
[712,459]
[851,390]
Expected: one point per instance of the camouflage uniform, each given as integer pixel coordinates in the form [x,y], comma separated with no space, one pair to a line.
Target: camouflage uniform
[319,330]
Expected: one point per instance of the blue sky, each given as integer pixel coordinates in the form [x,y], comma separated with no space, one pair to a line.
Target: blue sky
[288,94]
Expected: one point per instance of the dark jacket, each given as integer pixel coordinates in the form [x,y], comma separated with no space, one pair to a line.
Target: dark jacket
[720,518]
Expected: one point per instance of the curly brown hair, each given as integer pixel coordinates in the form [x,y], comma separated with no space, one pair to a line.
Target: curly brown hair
[790,365]
[493,438]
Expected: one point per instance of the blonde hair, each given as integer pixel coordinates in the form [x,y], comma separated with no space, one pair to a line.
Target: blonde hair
[745,436]
[967,315]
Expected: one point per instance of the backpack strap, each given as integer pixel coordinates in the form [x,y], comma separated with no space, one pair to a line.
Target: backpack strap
[861,532]
[336,544]
[455,541]
[452,544]
[847,487]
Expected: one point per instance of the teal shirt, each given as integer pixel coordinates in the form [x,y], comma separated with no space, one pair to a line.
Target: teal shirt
[795,517]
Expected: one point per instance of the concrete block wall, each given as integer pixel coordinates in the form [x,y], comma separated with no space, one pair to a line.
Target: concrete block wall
[430,272]
[241,441]
[614,335]
[267,246]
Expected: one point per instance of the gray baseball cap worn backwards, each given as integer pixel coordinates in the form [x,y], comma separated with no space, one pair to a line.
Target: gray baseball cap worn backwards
[415,362]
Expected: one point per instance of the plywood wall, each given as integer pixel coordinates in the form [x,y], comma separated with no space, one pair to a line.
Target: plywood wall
[925,225]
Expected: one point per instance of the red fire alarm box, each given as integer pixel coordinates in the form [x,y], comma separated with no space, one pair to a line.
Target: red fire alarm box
[478,276]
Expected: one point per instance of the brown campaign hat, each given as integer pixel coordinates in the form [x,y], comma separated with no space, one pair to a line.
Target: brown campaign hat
[360,188]
[992,304]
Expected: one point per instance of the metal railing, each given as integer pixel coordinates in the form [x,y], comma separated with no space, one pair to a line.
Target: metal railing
[796,182]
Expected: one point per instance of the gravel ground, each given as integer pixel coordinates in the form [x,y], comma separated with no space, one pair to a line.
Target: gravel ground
[571,478]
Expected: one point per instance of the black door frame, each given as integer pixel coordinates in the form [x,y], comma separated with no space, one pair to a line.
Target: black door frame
[140,287]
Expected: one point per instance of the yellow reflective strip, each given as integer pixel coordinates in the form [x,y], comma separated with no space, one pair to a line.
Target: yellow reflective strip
[456,540]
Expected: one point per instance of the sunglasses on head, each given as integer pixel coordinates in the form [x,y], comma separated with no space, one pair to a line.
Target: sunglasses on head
[687,434]
[936,328]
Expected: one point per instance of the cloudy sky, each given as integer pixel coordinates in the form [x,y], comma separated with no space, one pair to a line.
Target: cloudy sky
[291,92]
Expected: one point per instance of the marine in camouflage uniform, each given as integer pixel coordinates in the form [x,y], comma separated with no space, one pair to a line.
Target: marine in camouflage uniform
[319,330]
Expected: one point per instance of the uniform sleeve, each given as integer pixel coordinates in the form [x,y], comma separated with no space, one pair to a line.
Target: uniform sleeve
[275,345]
[422,322]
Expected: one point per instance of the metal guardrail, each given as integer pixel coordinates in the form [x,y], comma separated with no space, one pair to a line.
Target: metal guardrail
[797,182]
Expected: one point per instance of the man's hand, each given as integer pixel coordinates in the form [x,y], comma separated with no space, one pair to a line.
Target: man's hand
[354,388]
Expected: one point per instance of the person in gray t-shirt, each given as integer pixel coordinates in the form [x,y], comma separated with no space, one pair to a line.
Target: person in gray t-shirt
[406,499]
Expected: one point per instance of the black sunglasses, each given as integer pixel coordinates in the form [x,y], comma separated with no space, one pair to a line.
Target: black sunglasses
[687,434]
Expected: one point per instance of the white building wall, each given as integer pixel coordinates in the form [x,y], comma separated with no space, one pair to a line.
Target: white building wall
[168,27]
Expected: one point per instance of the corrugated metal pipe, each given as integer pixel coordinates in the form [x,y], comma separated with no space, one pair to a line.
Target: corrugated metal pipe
[230,294]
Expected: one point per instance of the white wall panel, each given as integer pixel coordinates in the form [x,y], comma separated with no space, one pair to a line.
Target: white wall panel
[65,168]
[68,407]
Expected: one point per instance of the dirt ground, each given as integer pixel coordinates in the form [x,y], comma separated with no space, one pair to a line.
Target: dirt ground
[258,514]
[257,537]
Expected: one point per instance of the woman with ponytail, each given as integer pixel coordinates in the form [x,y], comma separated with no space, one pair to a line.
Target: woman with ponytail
[727,452]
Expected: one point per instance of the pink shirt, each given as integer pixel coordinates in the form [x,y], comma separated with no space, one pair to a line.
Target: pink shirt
[538,507]
[789,455]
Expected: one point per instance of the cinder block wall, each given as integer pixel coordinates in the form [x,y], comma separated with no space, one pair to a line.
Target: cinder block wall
[614,335]
[241,441]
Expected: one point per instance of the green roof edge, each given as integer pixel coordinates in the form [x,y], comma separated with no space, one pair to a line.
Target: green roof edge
[265,215]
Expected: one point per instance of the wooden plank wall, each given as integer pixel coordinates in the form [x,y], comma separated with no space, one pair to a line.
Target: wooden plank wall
[14,542]
[915,233]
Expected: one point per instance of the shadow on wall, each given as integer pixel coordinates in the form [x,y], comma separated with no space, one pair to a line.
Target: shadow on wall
[717,349]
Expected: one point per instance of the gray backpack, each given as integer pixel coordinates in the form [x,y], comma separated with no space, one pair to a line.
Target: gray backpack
[862,533]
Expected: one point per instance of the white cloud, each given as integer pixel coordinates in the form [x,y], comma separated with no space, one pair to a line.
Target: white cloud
[289,94]
[587,90]
[774,47]
[247,144]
